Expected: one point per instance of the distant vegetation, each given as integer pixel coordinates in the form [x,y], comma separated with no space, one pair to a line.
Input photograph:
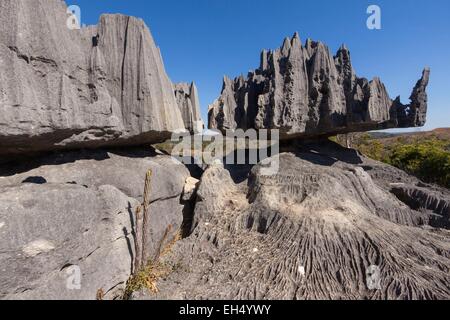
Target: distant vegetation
[424,155]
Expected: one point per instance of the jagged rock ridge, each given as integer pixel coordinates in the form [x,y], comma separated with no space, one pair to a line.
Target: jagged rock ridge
[305,91]
[189,104]
[99,86]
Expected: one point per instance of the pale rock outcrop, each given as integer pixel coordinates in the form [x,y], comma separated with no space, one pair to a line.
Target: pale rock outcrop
[76,211]
[189,104]
[102,85]
[304,91]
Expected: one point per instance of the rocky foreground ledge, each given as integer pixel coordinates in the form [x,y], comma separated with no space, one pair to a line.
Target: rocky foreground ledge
[310,231]
[79,209]
[304,91]
[314,230]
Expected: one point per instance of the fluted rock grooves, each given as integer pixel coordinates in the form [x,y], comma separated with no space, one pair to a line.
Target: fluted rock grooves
[99,86]
[312,231]
[305,91]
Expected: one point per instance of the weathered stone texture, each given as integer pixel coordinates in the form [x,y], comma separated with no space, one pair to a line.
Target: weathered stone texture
[99,86]
[305,91]
[189,104]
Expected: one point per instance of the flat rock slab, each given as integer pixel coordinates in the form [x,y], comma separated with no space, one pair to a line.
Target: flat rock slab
[50,228]
[79,212]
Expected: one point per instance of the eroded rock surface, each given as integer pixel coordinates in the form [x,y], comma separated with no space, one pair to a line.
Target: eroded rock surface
[78,209]
[99,86]
[305,91]
[423,199]
[189,104]
[315,230]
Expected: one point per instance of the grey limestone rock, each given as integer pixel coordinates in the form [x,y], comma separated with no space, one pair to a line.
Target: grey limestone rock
[101,85]
[314,230]
[422,198]
[304,91]
[189,104]
[78,209]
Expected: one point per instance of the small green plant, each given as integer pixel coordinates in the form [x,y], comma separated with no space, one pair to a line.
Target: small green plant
[146,272]
[138,241]
[147,277]
[146,216]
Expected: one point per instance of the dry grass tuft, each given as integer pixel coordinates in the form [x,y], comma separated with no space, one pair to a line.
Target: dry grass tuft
[100,294]
[148,277]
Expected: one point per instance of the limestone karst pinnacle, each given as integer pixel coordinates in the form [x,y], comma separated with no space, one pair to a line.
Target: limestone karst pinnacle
[305,91]
[189,104]
[103,85]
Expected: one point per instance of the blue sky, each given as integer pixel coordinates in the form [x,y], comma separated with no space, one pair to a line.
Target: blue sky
[203,40]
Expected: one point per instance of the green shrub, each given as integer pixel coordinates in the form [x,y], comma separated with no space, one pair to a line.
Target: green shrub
[429,160]
[426,157]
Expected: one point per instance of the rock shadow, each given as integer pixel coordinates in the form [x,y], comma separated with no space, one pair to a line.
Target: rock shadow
[27,163]
[325,153]
[35,180]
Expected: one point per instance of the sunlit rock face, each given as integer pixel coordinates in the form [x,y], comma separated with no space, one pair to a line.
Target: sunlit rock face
[189,104]
[97,86]
[305,91]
